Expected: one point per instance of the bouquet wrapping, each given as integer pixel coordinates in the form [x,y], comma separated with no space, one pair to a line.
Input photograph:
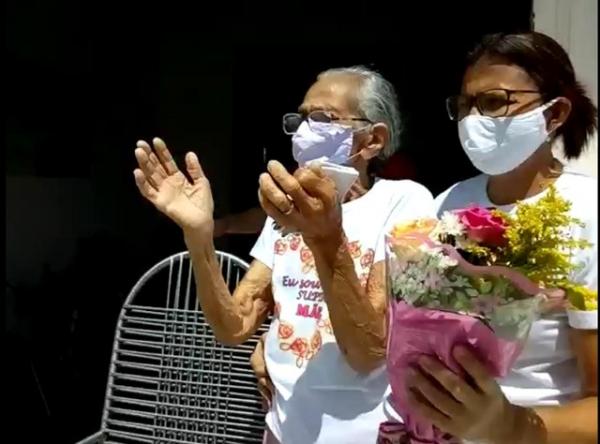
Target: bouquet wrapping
[479,278]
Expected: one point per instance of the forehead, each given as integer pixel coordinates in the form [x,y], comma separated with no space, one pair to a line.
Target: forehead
[490,73]
[334,92]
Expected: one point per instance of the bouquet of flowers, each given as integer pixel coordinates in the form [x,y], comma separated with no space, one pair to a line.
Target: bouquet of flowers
[477,277]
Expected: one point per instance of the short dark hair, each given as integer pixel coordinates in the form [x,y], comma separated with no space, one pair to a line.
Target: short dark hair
[549,66]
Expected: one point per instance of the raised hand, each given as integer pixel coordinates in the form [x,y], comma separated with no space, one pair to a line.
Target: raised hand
[189,204]
[306,201]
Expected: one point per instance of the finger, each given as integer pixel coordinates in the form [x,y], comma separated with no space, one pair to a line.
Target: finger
[289,185]
[152,157]
[426,411]
[274,194]
[438,398]
[281,219]
[265,392]
[322,188]
[475,369]
[456,386]
[317,170]
[193,167]
[145,188]
[149,170]
[164,155]
[257,361]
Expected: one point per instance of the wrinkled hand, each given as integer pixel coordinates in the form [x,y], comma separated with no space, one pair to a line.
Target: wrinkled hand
[478,411]
[189,204]
[258,364]
[306,201]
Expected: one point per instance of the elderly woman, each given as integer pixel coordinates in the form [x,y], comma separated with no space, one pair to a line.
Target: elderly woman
[322,275]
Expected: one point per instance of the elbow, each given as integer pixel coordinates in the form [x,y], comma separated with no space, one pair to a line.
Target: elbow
[228,339]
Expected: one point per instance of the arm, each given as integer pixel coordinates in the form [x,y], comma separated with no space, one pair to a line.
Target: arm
[233,319]
[576,421]
[357,314]
[259,366]
[190,205]
[308,201]
[247,222]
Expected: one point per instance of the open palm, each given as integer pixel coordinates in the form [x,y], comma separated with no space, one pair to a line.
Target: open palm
[189,204]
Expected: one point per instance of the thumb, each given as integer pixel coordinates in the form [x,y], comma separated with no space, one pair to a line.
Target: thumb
[193,167]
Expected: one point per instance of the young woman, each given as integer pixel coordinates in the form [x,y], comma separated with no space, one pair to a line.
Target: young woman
[519,99]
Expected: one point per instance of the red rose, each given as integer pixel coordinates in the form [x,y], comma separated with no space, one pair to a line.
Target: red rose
[299,347]
[482,226]
[354,249]
[306,255]
[280,247]
[295,242]
[285,330]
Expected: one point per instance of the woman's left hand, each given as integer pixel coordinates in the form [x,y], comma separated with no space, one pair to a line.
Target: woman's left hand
[306,201]
[476,411]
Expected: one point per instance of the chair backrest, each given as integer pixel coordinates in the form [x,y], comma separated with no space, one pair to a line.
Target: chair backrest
[170,382]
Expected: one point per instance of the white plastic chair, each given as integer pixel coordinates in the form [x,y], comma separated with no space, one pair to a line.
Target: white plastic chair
[169,381]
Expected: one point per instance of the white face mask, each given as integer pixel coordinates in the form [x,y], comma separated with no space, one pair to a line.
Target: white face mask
[325,141]
[497,145]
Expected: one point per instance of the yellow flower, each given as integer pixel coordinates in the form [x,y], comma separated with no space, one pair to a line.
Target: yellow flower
[582,298]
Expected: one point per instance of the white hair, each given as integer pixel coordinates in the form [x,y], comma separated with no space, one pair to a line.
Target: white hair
[377,102]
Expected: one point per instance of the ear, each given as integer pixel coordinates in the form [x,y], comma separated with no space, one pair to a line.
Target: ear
[557,114]
[377,138]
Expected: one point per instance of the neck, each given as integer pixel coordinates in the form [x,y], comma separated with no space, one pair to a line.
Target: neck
[530,178]
[362,166]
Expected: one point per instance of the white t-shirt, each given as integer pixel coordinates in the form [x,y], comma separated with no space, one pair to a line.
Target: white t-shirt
[546,371]
[318,397]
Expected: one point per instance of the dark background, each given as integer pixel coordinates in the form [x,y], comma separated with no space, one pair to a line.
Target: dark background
[84,83]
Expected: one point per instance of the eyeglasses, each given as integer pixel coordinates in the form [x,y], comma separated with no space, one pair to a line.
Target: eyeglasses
[491,103]
[292,121]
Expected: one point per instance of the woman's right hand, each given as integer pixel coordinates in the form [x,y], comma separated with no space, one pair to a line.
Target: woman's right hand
[257,361]
[189,204]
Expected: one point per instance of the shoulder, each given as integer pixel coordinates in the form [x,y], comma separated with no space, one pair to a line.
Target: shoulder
[582,193]
[402,189]
[461,194]
[405,196]
[579,189]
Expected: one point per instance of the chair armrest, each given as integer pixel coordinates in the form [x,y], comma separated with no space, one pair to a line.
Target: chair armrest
[96,438]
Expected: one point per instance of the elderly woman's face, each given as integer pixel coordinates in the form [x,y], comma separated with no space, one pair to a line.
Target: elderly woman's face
[336,95]
[496,88]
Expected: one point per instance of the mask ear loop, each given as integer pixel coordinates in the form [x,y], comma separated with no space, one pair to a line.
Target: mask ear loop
[557,166]
[545,107]
[359,153]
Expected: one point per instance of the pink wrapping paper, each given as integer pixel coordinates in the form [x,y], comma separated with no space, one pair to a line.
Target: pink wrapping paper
[415,332]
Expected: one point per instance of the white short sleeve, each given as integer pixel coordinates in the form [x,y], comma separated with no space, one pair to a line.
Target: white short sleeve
[588,274]
[263,249]
[411,201]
